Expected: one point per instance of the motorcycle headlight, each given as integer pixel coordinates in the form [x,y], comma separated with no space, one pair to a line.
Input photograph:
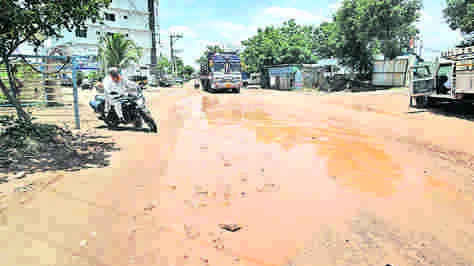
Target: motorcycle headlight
[140,101]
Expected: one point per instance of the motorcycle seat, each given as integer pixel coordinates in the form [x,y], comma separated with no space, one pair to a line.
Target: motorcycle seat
[100,98]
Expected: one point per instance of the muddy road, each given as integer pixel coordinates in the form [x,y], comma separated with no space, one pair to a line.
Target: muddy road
[346,179]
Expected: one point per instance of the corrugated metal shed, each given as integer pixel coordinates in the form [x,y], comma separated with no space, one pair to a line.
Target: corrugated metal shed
[392,72]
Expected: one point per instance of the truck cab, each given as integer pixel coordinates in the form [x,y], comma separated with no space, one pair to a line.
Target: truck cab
[451,78]
[222,72]
[254,81]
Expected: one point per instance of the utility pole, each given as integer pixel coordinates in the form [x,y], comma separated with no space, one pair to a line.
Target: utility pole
[158,25]
[151,20]
[173,38]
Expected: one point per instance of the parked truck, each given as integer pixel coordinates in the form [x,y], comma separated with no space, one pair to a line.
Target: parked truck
[451,78]
[254,81]
[221,72]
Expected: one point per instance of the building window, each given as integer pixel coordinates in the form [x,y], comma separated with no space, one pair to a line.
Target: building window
[110,16]
[126,34]
[125,17]
[110,33]
[82,33]
[97,32]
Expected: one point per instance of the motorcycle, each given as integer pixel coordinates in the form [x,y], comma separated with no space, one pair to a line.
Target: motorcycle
[133,108]
[196,83]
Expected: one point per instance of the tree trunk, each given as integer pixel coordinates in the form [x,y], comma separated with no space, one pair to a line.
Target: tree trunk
[22,115]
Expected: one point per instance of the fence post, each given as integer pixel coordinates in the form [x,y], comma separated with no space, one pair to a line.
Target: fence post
[75,92]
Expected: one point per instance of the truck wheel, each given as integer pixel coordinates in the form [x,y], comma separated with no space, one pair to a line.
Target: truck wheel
[422,102]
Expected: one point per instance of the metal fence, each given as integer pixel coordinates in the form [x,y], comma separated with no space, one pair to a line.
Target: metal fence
[46,82]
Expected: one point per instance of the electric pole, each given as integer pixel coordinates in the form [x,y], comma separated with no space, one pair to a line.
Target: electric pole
[151,20]
[173,38]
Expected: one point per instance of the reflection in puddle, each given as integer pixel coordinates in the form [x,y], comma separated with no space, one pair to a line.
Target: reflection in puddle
[354,160]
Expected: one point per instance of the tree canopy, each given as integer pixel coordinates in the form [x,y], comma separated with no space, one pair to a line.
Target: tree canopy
[163,66]
[179,66]
[365,28]
[359,30]
[117,50]
[289,44]
[188,70]
[30,21]
[459,14]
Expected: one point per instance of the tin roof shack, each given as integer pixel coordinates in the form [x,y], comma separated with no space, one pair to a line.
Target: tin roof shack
[283,77]
[393,73]
[323,74]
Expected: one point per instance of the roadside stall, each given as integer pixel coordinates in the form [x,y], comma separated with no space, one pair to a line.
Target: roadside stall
[284,77]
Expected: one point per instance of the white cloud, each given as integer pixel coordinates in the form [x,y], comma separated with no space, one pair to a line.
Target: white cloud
[290,12]
[335,6]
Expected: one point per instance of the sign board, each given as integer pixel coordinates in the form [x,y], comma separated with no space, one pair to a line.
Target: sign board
[86,62]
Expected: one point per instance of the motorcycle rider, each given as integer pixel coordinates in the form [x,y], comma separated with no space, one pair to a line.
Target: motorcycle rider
[114,83]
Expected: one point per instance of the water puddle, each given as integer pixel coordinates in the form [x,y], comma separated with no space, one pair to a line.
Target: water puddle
[354,160]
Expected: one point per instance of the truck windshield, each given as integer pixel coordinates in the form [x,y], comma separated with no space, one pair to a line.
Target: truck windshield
[218,67]
[234,67]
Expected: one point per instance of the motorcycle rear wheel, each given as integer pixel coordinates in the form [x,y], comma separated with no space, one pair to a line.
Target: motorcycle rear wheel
[149,121]
[138,122]
[112,121]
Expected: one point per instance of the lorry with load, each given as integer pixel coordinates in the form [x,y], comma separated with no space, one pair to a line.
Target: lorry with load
[221,72]
[451,78]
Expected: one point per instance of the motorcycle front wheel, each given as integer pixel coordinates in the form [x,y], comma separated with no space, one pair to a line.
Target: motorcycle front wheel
[149,121]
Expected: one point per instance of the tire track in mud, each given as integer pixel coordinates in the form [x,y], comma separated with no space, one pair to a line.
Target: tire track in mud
[371,240]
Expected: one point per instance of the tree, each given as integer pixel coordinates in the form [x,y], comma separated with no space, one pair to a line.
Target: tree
[367,27]
[117,50]
[30,21]
[164,66]
[179,66]
[188,70]
[326,37]
[459,14]
[289,44]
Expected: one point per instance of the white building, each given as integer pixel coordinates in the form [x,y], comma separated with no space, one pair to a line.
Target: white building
[128,17]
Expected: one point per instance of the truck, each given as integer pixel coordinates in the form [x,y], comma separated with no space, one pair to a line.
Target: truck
[254,81]
[221,72]
[451,78]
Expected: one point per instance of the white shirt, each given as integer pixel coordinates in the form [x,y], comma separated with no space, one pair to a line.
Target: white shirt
[112,86]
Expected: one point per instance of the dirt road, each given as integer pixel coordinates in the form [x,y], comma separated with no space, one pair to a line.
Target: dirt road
[349,179]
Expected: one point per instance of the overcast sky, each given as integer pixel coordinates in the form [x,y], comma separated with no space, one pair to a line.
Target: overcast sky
[230,22]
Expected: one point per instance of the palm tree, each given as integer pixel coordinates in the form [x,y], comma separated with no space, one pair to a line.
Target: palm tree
[119,51]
